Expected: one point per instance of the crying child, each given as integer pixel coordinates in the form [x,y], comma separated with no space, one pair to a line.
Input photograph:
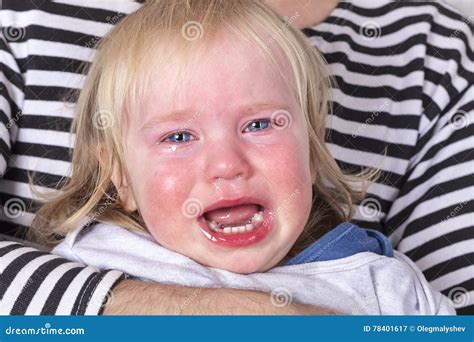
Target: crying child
[200,160]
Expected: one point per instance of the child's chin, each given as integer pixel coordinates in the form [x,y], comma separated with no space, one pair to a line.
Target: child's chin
[243,267]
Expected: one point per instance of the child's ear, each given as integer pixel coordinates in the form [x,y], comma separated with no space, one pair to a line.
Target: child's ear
[124,190]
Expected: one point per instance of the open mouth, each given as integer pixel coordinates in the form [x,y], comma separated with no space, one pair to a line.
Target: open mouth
[233,223]
[237,225]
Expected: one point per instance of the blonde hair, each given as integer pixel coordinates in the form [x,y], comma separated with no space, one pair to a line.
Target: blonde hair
[117,80]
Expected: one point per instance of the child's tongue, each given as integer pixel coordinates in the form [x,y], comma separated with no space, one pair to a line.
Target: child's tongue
[232,215]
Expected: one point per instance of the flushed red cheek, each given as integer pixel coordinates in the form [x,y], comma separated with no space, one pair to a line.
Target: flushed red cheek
[160,209]
[163,178]
[161,188]
[286,163]
[164,193]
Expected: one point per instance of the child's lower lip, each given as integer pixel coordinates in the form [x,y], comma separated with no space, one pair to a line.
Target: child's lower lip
[238,239]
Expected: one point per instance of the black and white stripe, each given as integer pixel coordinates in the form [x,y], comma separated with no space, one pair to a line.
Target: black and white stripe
[409,82]
[35,282]
[404,72]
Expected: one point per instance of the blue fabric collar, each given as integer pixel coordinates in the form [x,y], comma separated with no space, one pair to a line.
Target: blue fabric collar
[345,240]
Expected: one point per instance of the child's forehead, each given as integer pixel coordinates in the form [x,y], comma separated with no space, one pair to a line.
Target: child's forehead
[226,68]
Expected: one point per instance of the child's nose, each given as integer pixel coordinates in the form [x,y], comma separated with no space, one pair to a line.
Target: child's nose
[227,161]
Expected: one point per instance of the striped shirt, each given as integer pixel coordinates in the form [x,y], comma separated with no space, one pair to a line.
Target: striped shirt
[404,73]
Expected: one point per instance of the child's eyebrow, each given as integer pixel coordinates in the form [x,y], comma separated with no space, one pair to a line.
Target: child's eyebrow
[183,115]
[180,115]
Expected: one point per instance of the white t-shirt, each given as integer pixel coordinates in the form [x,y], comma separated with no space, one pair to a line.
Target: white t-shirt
[361,284]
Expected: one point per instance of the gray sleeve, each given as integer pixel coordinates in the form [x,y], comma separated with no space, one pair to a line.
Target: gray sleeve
[402,289]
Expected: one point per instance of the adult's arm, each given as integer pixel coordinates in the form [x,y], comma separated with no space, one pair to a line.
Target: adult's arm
[33,282]
[432,219]
[131,297]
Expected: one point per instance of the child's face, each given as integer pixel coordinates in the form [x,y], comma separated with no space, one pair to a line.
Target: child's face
[227,150]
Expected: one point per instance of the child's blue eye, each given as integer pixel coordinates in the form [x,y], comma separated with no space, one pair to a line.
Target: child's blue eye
[178,137]
[258,125]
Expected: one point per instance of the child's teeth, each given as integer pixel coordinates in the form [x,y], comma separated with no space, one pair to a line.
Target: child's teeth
[212,225]
[257,218]
[249,226]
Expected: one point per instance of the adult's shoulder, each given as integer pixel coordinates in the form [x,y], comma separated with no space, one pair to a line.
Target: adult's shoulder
[392,27]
